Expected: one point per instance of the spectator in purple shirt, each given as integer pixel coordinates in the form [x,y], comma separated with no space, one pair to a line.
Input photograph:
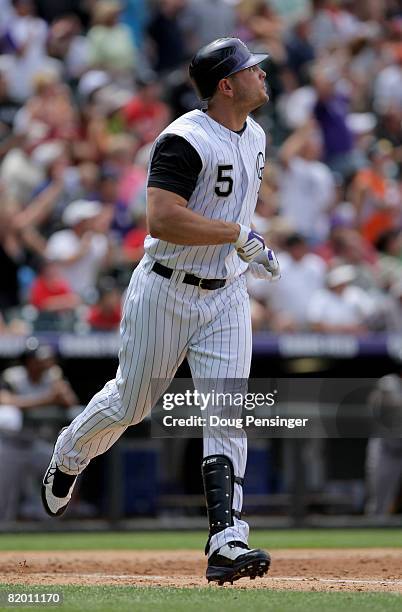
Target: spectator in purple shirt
[330,111]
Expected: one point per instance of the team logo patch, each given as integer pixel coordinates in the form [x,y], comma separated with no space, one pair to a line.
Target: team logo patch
[260,163]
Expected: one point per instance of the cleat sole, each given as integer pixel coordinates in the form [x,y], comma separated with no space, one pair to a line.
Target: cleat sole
[221,575]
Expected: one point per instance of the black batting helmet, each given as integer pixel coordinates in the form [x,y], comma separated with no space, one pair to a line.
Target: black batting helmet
[218,60]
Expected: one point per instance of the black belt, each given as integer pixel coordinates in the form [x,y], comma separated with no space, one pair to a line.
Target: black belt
[190,279]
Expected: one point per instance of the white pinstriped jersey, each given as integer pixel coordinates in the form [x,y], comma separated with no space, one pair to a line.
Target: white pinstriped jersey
[226,189]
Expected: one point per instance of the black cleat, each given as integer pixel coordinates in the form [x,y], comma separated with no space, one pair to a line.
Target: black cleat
[236,560]
[57,488]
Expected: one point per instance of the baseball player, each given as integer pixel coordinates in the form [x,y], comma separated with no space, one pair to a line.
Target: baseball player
[188,297]
[384,455]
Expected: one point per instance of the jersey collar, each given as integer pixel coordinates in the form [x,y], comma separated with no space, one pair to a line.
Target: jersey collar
[223,129]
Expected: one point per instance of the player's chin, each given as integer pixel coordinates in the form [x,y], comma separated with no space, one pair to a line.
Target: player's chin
[263,99]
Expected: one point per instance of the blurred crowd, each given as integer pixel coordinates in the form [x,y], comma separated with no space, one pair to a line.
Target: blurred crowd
[86,86]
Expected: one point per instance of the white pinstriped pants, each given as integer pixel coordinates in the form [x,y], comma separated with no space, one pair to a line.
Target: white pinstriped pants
[164,321]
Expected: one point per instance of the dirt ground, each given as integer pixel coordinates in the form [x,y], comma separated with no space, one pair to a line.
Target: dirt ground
[312,570]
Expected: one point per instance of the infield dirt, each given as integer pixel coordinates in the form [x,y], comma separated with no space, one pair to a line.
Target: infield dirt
[377,570]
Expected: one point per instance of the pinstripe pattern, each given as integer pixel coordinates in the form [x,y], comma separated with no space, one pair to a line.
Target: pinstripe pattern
[216,145]
[164,319]
[221,350]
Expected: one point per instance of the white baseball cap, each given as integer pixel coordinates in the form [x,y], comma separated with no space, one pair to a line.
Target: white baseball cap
[341,276]
[91,81]
[80,210]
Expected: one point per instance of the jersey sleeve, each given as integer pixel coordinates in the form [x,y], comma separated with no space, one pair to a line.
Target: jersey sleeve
[175,166]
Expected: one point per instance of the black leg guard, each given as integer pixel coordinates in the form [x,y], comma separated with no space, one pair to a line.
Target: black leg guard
[219,479]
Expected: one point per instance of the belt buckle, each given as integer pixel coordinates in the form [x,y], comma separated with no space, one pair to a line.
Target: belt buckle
[200,284]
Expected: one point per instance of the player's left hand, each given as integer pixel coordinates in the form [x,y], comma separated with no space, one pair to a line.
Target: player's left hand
[268,263]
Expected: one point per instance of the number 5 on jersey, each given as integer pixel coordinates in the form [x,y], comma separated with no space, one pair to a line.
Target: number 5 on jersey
[224,182]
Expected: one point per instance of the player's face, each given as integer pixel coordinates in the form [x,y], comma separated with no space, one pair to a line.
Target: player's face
[249,88]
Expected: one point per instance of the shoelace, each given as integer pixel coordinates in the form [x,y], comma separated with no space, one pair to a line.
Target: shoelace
[50,473]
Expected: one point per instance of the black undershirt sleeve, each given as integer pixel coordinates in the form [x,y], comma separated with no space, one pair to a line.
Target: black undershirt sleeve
[175,166]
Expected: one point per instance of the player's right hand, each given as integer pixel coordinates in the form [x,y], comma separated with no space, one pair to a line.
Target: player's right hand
[249,244]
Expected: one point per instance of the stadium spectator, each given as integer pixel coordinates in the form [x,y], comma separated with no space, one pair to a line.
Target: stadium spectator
[146,115]
[341,232]
[67,43]
[306,185]
[107,186]
[53,193]
[165,36]
[180,93]
[50,292]
[330,111]
[133,243]
[111,46]
[206,21]
[376,195]
[135,14]
[50,107]
[107,193]
[27,35]
[341,307]
[80,250]
[105,315]
[389,129]
[303,273]
[384,455]
[363,63]
[34,402]
[387,89]
[332,24]
[352,249]
[300,51]
[120,156]
[268,28]
[389,245]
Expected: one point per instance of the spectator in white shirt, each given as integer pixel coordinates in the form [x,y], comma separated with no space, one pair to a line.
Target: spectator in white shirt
[306,185]
[387,87]
[341,307]
[303,273]
[80,250]
[28,35]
